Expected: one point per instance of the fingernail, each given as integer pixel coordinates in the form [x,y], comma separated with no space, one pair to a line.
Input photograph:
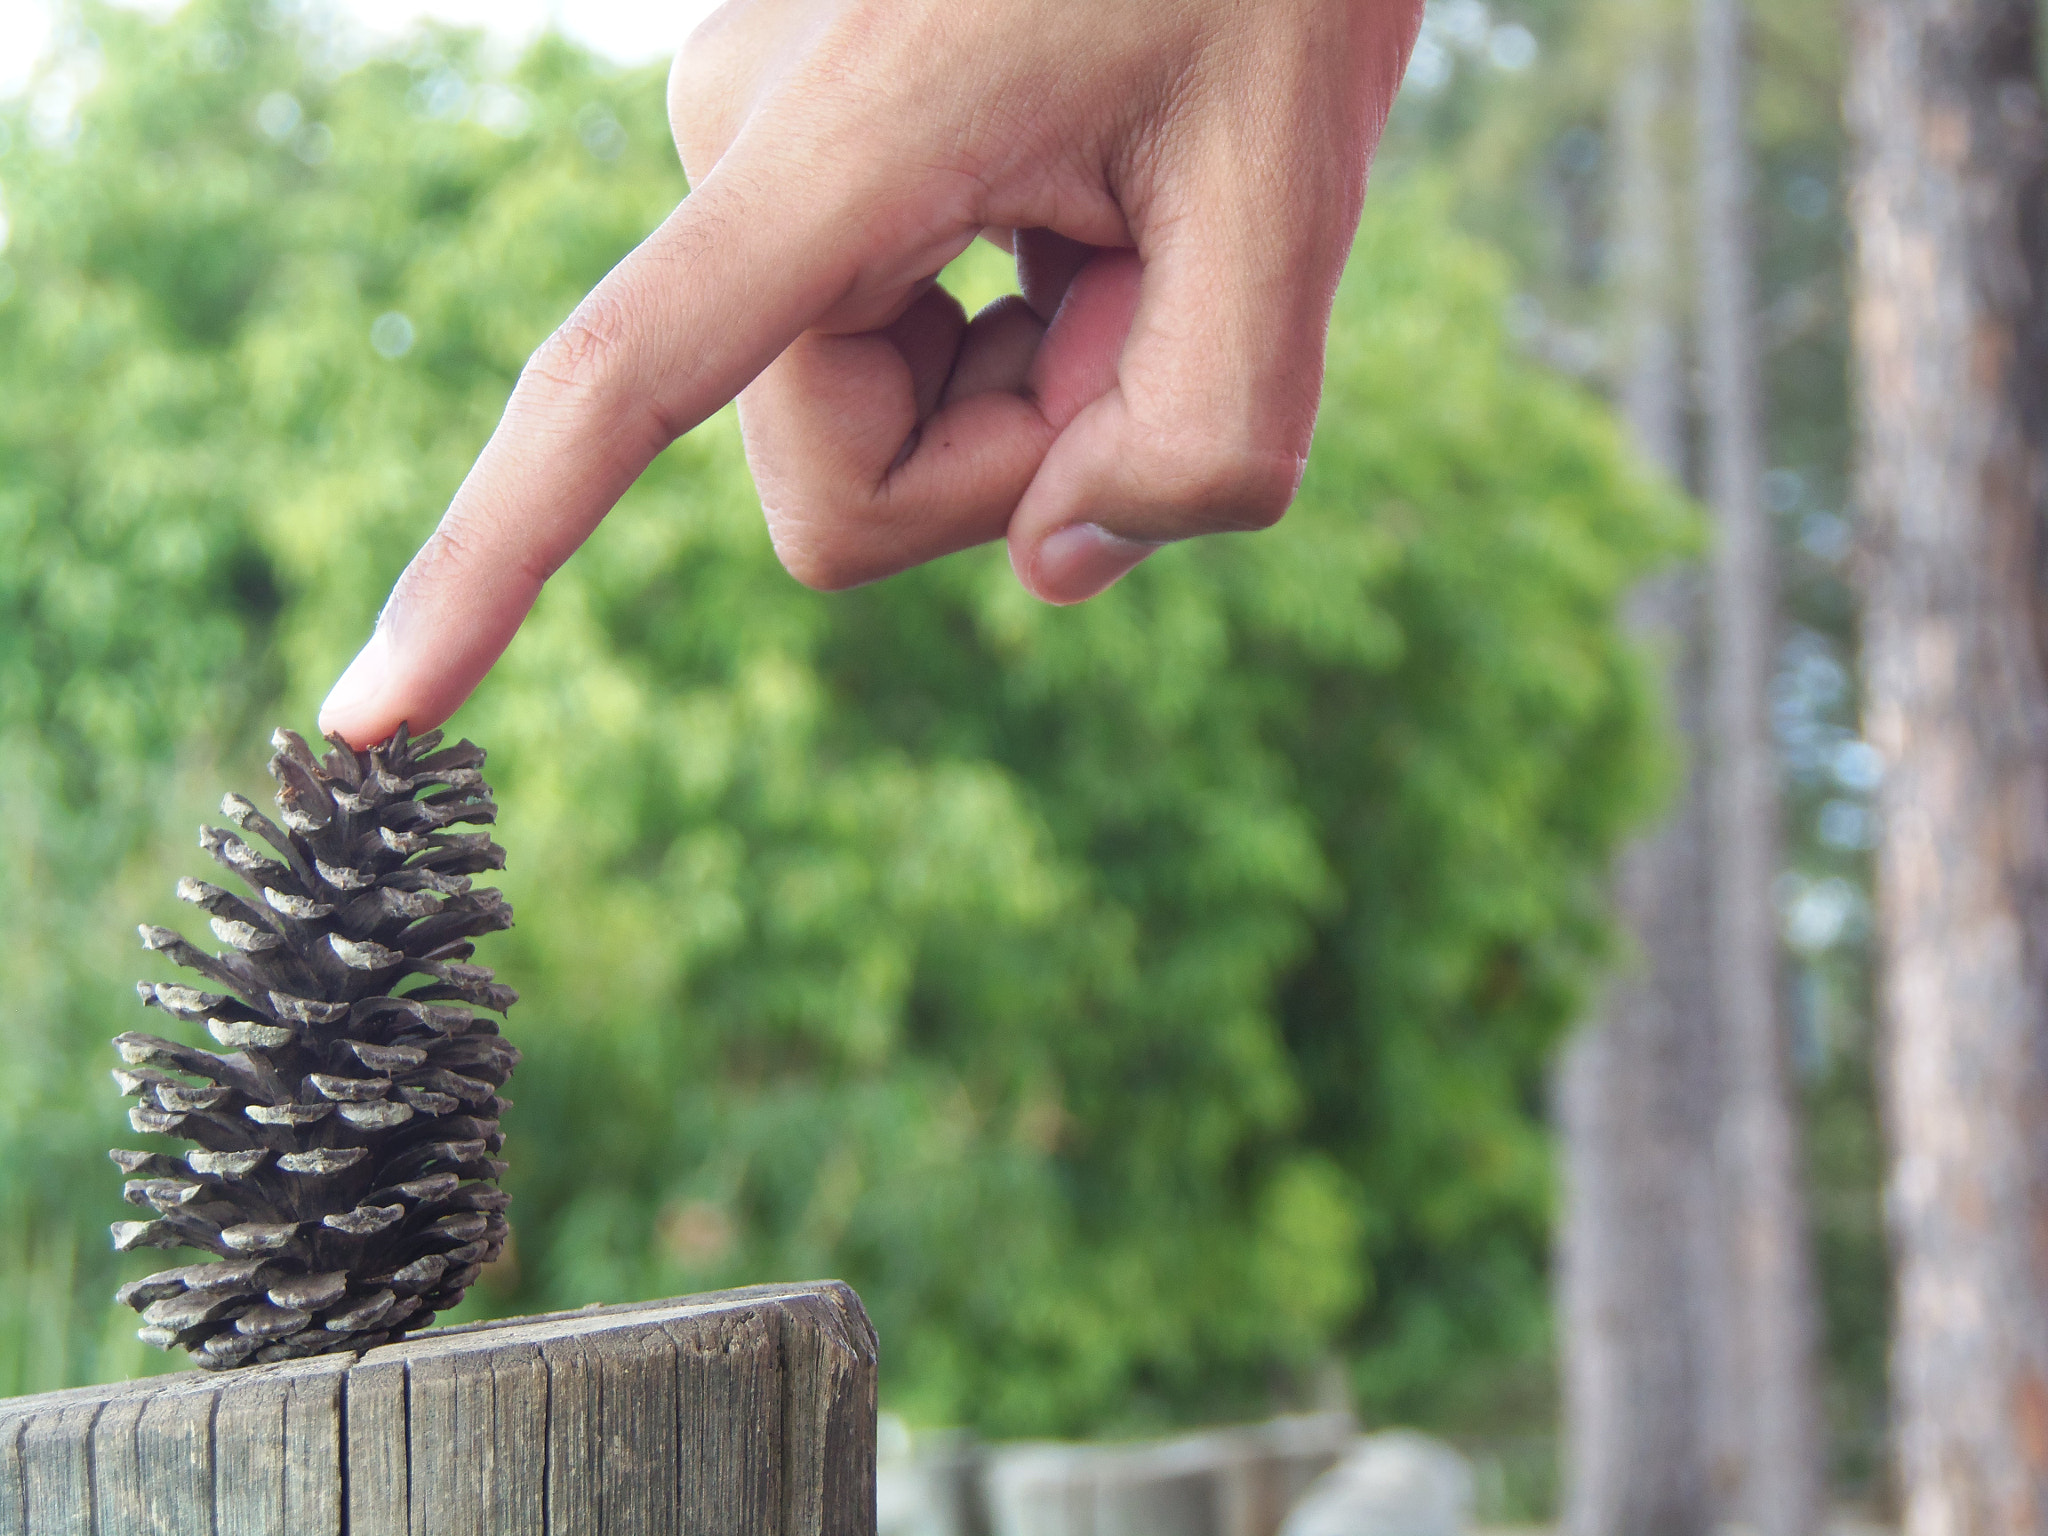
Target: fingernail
[1080,560]
[357,688]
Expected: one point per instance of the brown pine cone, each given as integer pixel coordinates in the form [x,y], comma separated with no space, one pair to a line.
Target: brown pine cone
[346,1136]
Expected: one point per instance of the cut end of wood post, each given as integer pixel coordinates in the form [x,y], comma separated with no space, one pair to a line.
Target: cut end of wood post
[749,1411]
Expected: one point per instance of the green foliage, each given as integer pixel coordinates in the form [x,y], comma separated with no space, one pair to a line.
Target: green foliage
[1143,1004]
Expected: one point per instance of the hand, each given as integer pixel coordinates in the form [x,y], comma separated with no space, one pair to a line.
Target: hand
[1179,181]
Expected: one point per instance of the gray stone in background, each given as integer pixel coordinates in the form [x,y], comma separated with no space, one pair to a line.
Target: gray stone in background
[1394,1484]
[742,1413]
[930,1483]
[1233,1482]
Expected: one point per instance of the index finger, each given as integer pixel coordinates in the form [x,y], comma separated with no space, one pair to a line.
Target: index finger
[677,329]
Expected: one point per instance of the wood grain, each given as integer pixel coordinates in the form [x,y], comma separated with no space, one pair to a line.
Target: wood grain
[729,1373]
[747,1412]
[57,1468]
[13,1491]
[174,1454]
[378,1467]
[276,1463]
[251,1454]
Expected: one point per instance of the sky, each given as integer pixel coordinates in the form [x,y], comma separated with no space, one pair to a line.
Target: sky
[640,31]
[630,31]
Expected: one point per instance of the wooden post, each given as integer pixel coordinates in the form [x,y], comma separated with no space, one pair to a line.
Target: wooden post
[740,1412]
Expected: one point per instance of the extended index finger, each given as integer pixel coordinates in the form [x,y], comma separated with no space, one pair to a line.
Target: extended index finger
[677,329]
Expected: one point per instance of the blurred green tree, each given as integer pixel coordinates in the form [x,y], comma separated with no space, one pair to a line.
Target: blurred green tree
[1147,1005]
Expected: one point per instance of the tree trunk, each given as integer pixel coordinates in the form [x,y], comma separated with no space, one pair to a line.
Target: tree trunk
[1946,112]
[1638,1083]
[1762,1403]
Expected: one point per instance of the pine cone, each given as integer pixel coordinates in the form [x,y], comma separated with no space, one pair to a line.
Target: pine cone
[345,1139]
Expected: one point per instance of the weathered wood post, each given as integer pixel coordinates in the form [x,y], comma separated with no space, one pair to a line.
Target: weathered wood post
[747,1412]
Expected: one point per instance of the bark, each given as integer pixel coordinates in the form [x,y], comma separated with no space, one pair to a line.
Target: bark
[1637,1085]
[1761,1397]
[1636,1288]
[1946,112]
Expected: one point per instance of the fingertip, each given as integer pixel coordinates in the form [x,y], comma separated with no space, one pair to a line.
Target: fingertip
[359,707]
[1074,563]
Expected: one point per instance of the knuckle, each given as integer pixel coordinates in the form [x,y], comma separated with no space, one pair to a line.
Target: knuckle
[815,550]
[586,381]
[464,545]
[1265,489]
[454,546]
[693,73]
[580,357]
[699,117]
[714,81]
[701,71]
[828,522]
[455,550]
[1226,484]
[582,366]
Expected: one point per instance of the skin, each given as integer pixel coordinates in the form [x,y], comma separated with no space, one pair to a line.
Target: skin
[1180,183]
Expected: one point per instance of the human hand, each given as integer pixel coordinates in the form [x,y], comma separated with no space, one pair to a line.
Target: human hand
[1179,181]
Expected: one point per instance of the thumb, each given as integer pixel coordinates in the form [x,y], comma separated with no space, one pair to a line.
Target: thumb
[1206,423]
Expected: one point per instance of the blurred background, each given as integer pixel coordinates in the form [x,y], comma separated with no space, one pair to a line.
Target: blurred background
[1179,1010]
